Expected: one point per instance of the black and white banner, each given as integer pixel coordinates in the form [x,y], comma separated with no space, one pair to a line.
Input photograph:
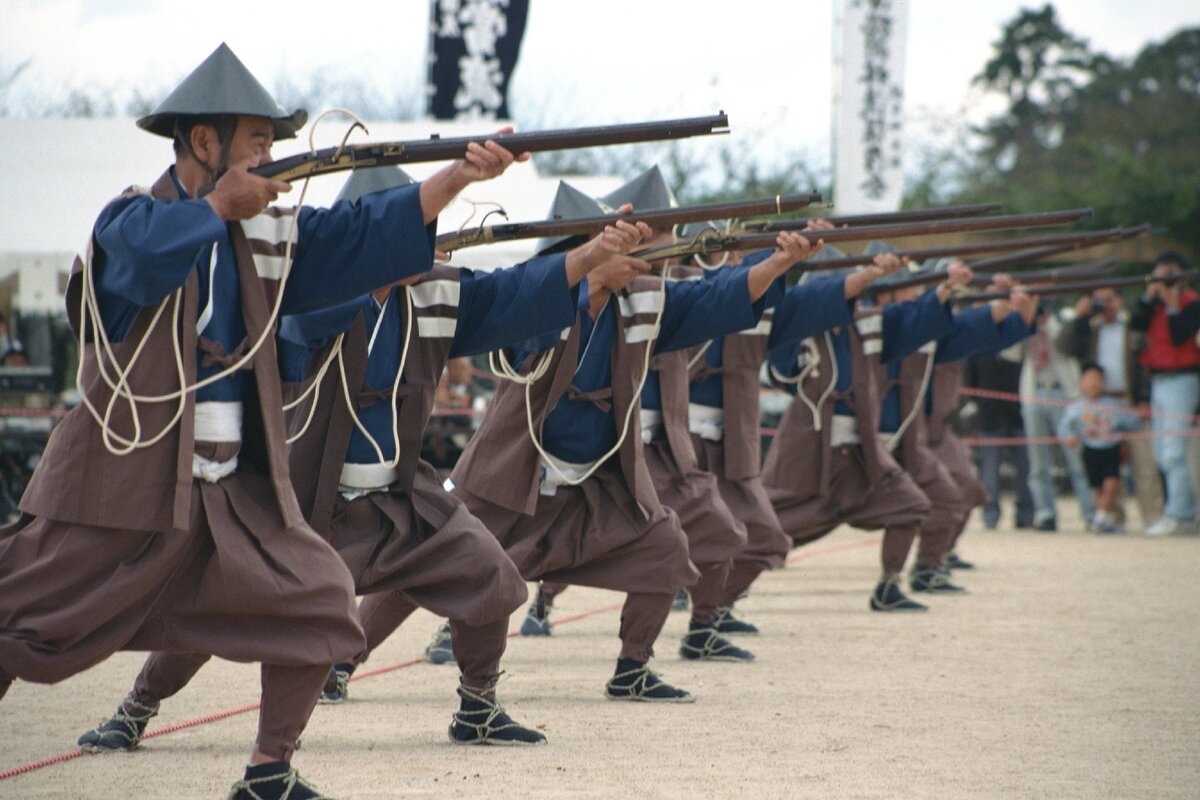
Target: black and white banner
[473,47]
[869,99]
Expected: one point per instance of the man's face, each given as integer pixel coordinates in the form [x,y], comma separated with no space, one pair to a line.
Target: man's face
[1165,269]
[1108,301]
[252,140]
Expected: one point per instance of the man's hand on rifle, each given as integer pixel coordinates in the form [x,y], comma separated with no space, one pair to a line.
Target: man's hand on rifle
[958,274]
[239,194]
[482,162]
[790,247]
[884,264]
[1024,303]
[611,245]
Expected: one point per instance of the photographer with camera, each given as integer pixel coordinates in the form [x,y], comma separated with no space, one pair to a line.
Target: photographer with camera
[1170,316]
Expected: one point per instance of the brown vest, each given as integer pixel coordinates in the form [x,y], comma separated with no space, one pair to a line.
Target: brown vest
[501,465]
[800,458]
[79,481]
[910,386]
[317,456]
[742,356]
[947,378]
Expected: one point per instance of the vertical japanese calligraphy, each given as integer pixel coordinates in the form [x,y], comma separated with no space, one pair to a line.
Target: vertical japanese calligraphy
[869,95]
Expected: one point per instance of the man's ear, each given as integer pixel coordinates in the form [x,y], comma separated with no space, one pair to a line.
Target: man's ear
[205,147]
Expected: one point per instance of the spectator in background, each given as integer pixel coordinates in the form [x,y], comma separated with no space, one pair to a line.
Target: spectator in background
[1101,333]
[1048,377]
[1093,421]
[447,434]
[1170,316]
[1001,419]
[7,342]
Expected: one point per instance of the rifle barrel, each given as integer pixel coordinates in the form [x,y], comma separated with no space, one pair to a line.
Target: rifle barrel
[435,148]
[984,277]
[914,215]
[707,244]
[1075,286]
[659,218]
[1060,243]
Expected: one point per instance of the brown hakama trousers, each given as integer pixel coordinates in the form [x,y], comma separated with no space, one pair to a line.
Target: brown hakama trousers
[594,534]
[425,549]
[236,584]
[956,457]
[895,504]
[714,535]
[404,552]
[767,545]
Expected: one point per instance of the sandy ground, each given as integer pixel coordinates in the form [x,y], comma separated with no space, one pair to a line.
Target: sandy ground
[1070,670]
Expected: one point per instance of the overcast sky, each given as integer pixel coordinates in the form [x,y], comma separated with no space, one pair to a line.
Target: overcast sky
[766,62]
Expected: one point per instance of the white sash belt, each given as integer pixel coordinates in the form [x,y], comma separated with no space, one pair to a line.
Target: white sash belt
[843,431]
[218,422]
[706,422]
[652,424]
[551,479]
[360,479]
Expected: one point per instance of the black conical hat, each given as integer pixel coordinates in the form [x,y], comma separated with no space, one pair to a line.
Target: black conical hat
[221,85]
[647,192]
[569,203]
[373,179]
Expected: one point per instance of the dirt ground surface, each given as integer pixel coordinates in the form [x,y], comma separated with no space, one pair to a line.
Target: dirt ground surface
[1071,670]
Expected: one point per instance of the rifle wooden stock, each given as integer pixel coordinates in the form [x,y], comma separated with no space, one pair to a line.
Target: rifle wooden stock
[915,215]
[1059,243]
[1075,286]
[658,219]
[382,154]
[708,244]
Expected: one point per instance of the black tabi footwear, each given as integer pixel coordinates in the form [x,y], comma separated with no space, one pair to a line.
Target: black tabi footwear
[888,597]
[337,687]
[636,681]
[953,561]
[727,623]
[481,720]
[441,649]
[537,619]
[122,731]
[934,580]
[703,643]
[680,603]
[274,781]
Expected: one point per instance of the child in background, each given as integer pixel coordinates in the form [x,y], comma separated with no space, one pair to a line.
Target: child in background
[1095,420]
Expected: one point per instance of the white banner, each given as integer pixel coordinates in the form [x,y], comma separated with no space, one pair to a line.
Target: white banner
[868,106]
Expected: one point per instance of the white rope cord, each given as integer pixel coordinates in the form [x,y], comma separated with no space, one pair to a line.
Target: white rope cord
[315,390]
[409,322]
[699,355]
[88,304]
[546,458]
[103,346]
[813,363]
[920,401]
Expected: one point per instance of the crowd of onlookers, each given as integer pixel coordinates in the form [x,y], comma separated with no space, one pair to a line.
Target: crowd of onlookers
[1100,386]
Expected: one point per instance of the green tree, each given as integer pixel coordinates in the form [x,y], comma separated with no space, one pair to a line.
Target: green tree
[1083,129]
